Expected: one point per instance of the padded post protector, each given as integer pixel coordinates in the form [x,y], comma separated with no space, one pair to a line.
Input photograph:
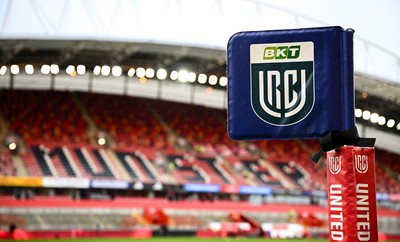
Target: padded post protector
[351,188]
[292,83]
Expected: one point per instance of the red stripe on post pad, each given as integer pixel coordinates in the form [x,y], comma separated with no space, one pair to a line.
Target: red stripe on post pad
[341,196]
[351,194]
[364,166]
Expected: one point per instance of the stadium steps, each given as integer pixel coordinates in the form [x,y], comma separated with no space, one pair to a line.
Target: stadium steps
[3,129]
[45,218]
[238,167]
[315,171]
[16,159]
[109,162]
[39,221]
[270,217]
[31,165]
[117,164]
[158,116]
[64,218]
[92,129]
[216,174]
[19,165]
[260,174]
[276,172]
[237,173]
[94,162]
[231,172]
[148,166]
[172,136]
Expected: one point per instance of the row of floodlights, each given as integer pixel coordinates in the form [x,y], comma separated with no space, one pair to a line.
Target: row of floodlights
[376,118]
[182,76]
[29,69]
[162,74]
[140,72]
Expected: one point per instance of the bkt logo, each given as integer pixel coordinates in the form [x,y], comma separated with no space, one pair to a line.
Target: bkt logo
[282,82]
[281,52]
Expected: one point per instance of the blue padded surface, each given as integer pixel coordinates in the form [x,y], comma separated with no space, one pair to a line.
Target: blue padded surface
[285,84]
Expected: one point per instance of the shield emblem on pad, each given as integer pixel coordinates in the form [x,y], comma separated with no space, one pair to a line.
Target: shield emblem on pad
[282,81]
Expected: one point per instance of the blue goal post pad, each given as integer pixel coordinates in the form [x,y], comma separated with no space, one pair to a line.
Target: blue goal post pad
[286,84]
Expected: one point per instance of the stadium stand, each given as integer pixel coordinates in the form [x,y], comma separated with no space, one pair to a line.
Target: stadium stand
[80,162]
[135,123]
[128,120]
[7,167]
[203,129]
[154,142]
[40,115]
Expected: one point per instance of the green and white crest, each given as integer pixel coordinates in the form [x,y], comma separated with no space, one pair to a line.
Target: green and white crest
[282,81]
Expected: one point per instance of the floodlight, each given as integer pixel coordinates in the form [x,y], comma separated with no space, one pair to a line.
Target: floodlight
[223,81]
[29,69]
[97,70]
[213,79]
[366,115]
[45,69]
[161,74]
[70,69]
[358,113]
[202,79]
[3,70]
[374,117]
[390,123]
[101,141]
[105,70]
[174,75]
[191,77]
[14,69]
[140,72]
[131,72]
[150,72]
[81,69]
[54,69]
[12,146]
[116,71]
[183,76]
[381,120]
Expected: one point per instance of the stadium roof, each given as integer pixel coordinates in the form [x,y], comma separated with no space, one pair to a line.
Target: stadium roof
[208,23]
[174,35]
